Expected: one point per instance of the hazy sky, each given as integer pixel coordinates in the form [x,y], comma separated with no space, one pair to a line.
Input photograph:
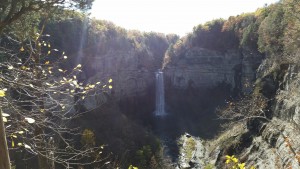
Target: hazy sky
[170,16]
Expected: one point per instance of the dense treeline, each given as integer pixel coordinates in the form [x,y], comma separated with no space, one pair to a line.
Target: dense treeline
[273,30]
[76,33]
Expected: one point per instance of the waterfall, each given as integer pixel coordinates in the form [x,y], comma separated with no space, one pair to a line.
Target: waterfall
[160,94]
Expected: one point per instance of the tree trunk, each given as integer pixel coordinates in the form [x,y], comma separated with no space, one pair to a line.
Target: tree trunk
[4,155]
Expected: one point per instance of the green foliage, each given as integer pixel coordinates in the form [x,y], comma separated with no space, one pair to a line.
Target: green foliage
[271,31]
[143,156]
[292,31]
[212,36]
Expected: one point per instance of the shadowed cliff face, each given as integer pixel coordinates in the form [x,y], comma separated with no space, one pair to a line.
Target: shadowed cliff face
[202,68]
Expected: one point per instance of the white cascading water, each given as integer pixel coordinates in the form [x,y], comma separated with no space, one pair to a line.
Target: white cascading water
[160,94]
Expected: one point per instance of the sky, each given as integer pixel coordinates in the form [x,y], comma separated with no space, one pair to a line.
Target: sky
[170,16]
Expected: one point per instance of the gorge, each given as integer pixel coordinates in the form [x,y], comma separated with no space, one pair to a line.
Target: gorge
[228,89]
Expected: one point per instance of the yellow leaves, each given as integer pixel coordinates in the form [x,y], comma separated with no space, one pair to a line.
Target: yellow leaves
[25,68]
[233,162]
[37,36]
[227,159]
[132,167]
[49,52]
[2,93]
[241,166]
[29,120]
[75,83]
[231,158]
[110,80]
[47,62]
[110,86]
[22,49]
[5,115]
[20,132]
[91,86]
[78,66]
[50,70]
[48,84]
[12,136]
[27,146]
[4,119]
[60,70]
[10,67]
[65,57]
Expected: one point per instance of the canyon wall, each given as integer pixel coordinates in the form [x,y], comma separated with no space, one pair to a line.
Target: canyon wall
[203,68]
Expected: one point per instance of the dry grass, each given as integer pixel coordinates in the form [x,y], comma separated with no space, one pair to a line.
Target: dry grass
[190,146]
[227,137]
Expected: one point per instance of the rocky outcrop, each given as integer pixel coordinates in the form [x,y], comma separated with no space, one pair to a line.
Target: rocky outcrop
[133,76]
[287,105]
[274,143]
[198,67]
[276,146]
[130,60]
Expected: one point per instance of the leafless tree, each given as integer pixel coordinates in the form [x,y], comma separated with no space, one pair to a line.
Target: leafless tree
[40,102]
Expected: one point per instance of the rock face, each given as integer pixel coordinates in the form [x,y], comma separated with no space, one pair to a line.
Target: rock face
[271,144]
[133,75]
[131,61]
[198,67]
[287,105]
[276,146]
